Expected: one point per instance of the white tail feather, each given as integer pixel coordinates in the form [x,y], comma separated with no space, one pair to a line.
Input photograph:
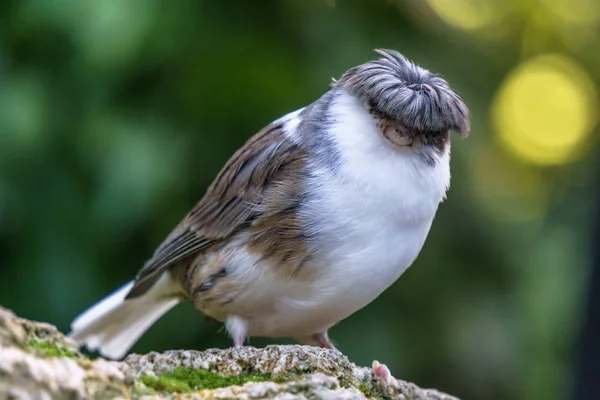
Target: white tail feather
[113,325]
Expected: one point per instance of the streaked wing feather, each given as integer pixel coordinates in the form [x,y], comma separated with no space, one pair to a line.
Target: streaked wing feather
[230,204]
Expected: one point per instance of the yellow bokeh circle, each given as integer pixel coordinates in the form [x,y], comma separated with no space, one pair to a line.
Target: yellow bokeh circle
[467,14]
[545,110]
[574,11]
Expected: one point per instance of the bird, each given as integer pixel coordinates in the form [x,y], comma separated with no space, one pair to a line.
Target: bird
[309,221]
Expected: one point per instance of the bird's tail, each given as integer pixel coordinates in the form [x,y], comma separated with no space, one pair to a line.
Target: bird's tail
[114,324]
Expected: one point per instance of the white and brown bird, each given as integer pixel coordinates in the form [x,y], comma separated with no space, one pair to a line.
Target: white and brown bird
[311,220]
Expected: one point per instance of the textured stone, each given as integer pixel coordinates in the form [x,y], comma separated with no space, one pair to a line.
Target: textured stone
[38,362]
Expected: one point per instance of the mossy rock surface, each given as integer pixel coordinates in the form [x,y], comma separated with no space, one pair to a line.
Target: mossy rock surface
[37,361]
[185,380]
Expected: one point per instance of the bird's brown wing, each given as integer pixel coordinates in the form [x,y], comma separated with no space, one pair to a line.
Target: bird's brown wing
[234,201]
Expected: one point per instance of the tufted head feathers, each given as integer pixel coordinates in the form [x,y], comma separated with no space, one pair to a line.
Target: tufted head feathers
[400,90]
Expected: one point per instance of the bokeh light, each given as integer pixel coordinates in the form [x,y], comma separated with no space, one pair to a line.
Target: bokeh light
[574,11]
[545,110]
[468,14]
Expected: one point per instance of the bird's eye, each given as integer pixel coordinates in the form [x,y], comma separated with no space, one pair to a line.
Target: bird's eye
[397,134]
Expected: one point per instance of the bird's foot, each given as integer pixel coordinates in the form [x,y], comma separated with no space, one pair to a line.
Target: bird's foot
[323,340]
[383,372]
[237,328]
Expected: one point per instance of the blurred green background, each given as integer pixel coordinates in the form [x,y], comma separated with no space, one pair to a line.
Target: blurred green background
[116,115]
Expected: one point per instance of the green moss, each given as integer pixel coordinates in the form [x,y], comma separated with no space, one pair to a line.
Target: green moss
[51,349]
[364,388]
[166,384]
[344,382]
[183,380]
[373,392]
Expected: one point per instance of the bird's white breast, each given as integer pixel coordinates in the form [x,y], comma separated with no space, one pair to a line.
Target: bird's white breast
[368,220]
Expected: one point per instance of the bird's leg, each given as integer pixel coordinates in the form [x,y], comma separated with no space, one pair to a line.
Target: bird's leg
[383,372]
[323,340]
[237,327]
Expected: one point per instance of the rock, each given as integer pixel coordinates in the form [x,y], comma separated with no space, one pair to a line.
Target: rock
[38,362]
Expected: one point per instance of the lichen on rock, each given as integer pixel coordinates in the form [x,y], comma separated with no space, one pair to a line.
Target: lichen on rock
[37,361]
